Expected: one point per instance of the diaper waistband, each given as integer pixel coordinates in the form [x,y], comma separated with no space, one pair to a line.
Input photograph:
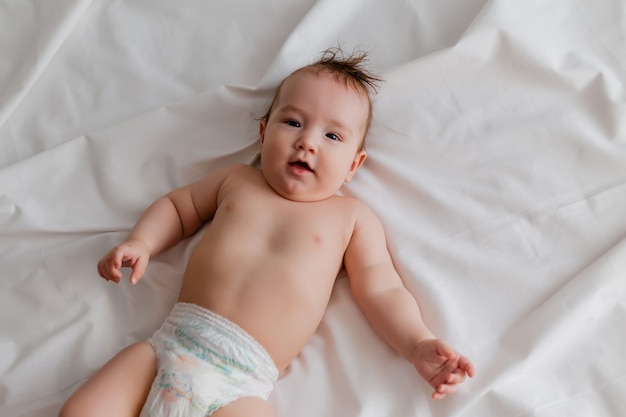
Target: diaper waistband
[227,336]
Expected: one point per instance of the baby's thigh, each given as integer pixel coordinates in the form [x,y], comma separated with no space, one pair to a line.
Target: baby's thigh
[119,388]
[246,407]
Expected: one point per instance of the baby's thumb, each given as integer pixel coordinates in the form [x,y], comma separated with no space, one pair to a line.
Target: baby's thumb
[138,270]
[444,350]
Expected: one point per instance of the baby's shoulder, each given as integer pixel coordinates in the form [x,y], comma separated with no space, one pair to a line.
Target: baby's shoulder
[239,169]
[356,208]
[240,179]
[366,218]
[239,173]
[350,203]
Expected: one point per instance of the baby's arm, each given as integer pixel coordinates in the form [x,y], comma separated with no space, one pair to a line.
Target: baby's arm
[394,312]
[167,221]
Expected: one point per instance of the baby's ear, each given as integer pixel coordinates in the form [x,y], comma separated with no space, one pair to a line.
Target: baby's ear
[358,160]
[262,125]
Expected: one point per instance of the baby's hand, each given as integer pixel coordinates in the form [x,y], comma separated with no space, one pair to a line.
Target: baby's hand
[441,366]
[132,254]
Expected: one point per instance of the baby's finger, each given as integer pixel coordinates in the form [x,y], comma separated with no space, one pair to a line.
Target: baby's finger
[438,396]
[442,390]
[139,268]
[455,377]
[106,272]
[467,366]
[446,351]
[439,393]
[119,255]
[441,378]
[113,275]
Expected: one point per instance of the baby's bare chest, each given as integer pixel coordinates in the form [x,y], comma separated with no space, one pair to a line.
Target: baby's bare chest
[278,226]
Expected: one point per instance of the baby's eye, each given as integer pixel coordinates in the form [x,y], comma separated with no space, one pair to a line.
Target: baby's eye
[293,123]
[332,136]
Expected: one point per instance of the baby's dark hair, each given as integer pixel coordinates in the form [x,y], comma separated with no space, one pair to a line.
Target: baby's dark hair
[348,68]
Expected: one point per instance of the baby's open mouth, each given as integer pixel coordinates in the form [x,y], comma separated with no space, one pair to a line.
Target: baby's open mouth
[301,165]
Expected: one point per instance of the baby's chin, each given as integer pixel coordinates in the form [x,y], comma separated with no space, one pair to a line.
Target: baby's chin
[300,193]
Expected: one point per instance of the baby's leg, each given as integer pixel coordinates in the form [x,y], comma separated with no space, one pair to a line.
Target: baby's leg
[118,389]
[246,407]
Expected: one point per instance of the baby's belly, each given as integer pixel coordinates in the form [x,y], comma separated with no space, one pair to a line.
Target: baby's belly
[278,305]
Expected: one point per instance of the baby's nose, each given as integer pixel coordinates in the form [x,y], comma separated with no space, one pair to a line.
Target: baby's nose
[307,142]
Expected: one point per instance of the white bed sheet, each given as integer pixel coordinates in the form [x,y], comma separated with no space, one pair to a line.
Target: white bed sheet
[497,162]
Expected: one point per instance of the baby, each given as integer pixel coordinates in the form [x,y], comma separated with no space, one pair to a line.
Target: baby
[258,282]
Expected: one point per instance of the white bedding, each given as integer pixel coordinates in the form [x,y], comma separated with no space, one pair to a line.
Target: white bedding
[497,162]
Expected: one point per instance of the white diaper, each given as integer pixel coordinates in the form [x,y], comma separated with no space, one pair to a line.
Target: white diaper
[205,362]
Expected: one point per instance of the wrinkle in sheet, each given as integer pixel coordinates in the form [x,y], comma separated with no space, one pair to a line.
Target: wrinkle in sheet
[604,25]
[54,31]
[560,325]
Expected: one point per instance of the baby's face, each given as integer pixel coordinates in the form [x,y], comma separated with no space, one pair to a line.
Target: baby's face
[311,142]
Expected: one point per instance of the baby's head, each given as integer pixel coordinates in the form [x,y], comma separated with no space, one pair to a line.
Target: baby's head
[313,134]
[348,69]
